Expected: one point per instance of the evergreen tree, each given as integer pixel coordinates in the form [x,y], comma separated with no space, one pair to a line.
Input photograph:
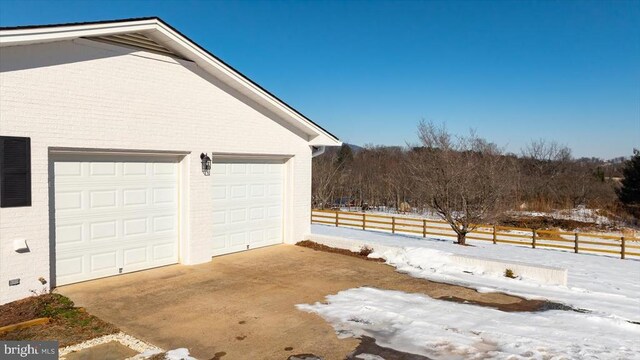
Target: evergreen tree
[629,192]
[345,155]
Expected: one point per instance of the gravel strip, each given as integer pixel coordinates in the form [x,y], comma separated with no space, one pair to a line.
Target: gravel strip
[124,339]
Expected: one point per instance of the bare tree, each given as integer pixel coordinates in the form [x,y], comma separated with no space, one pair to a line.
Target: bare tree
[465,180]
[547,164]
[324,180]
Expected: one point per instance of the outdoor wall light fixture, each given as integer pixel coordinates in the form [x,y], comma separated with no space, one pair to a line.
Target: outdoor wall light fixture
[206,164]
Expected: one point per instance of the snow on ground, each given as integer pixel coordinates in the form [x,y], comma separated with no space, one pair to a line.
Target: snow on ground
[444,330]
[582,214]
[603,285]
[608,288]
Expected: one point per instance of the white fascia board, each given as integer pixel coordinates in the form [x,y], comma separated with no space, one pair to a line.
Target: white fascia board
[324,140]
[59,33]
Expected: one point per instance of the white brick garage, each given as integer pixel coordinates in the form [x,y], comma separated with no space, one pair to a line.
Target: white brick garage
[70,94]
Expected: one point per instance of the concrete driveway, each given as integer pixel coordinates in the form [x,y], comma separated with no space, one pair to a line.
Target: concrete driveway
[242,306]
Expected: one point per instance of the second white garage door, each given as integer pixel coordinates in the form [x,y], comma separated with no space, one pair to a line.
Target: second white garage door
[114,216]
[247,205]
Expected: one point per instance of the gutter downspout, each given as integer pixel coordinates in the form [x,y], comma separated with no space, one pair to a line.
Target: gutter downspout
[317,150]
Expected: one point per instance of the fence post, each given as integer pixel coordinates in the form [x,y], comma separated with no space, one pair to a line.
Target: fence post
[393,224]
[336,218]
[533,243]
[364,221]
[424,228]
[622,250]
[575,244]
[495,238]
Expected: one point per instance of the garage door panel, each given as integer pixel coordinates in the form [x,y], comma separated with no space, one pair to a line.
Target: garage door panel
[103,261]
[69,234]
[135,169]
[247,205]
[135,197]
[135,255]
[219,243]
[164,169]
[102,199]
[114,217]
[239,238]
[165,223]
[102,169]
[103,230]
[69,266]
[135,227]
[68,200]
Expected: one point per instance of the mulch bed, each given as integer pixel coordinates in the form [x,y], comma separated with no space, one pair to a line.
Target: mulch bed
[69,324]
[18,311]
[363,254]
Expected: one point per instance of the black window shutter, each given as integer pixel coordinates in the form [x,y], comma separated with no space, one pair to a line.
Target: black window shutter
[15,171]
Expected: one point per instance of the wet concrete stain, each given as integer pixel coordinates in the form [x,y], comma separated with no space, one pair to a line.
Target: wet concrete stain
[525,305]
[368,346]
[218,355]
[304,357]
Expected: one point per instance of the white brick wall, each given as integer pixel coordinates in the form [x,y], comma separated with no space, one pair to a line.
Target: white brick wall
[82,94]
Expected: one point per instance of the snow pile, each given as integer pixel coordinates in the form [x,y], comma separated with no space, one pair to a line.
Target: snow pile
[444,330]
[605,286]
[178,354]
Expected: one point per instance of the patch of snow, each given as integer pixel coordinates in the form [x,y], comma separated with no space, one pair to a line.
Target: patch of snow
[437,329]
[605,286]
[178,354]
[580,213]
[369,357]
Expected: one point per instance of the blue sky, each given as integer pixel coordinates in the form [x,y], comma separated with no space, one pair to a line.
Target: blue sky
[368,71]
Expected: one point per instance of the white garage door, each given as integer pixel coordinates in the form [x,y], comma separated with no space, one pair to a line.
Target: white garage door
[114,217]
[247,205]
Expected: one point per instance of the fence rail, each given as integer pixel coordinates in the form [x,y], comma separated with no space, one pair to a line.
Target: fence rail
[576,242]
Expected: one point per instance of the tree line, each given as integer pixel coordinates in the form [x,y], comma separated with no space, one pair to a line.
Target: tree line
[466,179]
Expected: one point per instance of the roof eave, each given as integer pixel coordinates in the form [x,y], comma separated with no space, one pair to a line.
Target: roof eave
[173,39]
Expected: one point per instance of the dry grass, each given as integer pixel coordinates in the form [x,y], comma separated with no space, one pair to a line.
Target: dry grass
[362,254]
[549,223]
[69,324]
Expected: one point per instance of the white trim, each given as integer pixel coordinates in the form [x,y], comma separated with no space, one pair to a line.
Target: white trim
[182,160]
[58,33]
[167,37]
[223,156]
[115,152]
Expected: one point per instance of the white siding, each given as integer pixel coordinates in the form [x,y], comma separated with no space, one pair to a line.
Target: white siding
[84,95]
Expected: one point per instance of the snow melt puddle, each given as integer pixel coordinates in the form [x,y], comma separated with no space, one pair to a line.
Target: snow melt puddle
[436,329]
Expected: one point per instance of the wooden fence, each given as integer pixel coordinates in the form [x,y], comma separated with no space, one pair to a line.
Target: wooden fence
[563,240]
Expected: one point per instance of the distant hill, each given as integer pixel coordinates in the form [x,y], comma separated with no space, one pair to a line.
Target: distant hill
[354,148]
